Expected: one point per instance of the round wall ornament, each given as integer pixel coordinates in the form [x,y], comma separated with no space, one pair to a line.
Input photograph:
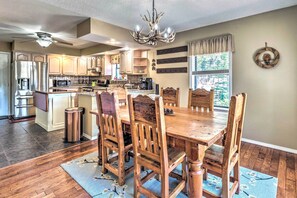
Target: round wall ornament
[266,57]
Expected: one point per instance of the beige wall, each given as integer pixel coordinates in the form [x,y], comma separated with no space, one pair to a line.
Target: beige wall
[5,47]
[271,115]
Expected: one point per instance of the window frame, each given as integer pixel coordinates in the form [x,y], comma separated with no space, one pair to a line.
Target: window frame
[191,61]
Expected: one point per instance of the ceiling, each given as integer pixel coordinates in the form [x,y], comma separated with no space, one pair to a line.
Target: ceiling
[60,17]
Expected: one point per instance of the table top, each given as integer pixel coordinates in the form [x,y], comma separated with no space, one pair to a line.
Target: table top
[203,128]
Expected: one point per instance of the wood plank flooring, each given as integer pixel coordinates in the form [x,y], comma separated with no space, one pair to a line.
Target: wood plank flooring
[43,177]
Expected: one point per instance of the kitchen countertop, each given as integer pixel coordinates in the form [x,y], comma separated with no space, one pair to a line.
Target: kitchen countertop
[55,92]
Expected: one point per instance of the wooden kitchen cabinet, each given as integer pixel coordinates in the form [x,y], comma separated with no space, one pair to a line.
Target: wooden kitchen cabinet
[38,58]
[82,66]
[126,62]
[92,64]
[69,65]
[54,64]
[22,56]
[140,62]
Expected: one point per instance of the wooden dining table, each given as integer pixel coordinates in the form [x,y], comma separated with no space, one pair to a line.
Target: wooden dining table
[193,131]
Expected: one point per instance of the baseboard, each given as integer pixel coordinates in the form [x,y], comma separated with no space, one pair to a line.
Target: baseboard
[90,137]
[289,150]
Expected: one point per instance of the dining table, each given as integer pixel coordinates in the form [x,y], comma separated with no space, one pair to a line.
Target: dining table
[193,131]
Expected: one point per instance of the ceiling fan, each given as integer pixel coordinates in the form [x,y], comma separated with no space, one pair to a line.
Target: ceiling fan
[45,39]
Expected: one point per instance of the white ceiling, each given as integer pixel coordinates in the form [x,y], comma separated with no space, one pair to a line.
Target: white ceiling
[60,17]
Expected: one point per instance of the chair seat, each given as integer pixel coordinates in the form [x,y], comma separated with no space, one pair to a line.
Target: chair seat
[215,153]
[174,157]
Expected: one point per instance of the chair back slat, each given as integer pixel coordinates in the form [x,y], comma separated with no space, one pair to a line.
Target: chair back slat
[201,98]
[148,128]
[170,96]
[235,125]
[109,120]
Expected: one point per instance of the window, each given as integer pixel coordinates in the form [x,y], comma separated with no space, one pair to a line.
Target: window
[213,71]
[116,71]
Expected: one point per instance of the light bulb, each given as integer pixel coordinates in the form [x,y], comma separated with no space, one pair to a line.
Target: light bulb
[169,30]
[156,26]
[166,35]
[137,28]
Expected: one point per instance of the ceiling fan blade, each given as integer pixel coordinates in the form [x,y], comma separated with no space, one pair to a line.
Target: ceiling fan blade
[19,37]
[62,42]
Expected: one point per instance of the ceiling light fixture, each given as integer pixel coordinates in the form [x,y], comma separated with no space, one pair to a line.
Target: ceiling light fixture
[45,41]
[154,35]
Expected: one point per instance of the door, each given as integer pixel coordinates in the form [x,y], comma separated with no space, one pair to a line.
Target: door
[4,84]
[82,66]
[38,58]
[54,64]
[69,65]
[40,76]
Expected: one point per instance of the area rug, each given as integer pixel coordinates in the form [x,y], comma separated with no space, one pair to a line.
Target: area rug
[87,173]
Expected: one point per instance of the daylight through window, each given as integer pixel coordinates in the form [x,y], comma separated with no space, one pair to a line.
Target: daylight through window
[213,71]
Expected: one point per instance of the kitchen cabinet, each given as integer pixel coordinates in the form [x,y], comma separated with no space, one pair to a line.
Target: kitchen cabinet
[69,65]
[106,65]
[126,62]
[22,56]
[82,66]
[54,64]
[38,58]
[140,62]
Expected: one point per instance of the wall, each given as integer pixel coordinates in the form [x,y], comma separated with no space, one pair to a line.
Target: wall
[5,46]
[271,115]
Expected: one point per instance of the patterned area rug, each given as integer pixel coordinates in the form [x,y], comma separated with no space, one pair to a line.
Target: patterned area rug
[87,173]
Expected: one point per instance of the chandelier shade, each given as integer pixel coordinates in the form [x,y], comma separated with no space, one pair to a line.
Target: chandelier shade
[155,34]
[44,42]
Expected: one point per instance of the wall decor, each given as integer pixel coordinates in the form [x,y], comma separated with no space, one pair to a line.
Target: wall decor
[266,57]
[172,70]
[172,50]
[172,60]
[154,64]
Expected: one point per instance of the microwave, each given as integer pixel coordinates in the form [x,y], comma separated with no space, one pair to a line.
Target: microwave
[61,83]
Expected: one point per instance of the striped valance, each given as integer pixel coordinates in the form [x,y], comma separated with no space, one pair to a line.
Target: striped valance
[216,44]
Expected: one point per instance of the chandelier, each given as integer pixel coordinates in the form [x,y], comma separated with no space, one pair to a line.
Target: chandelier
[155,34]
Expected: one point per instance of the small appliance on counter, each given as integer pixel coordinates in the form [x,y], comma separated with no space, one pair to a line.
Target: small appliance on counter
[146,84]
[103,82]
[61,83]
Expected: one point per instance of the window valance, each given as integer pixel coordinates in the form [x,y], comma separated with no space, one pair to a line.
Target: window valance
[216,44]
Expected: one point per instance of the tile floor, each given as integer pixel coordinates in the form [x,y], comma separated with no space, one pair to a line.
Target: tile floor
[26,140]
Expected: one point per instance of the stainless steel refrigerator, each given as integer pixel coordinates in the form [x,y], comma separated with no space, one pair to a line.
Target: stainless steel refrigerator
[4,84]
[27,77]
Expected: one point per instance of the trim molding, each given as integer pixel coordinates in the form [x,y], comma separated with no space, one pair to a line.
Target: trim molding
[89,137]
[289,150]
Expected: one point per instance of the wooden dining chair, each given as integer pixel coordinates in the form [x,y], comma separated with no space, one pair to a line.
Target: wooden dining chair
[113,137]
[170,96]
[201,98]
[221,160]
[150,146]
[121,93]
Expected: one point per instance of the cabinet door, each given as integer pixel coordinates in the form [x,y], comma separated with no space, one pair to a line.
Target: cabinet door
[54,64]
[122,62]
[106,65]
[128,62]
[20,56]
[82,66]
[38,58]
[69,65]
[91,63]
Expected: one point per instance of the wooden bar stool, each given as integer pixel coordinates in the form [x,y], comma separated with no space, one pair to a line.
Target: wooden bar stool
[201,98]
[150,146]
[170,96]
[113,137]
[221,160]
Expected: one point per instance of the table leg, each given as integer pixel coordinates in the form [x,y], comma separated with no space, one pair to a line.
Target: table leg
[195,171]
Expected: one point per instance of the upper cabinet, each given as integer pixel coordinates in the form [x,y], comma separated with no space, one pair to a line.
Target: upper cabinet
[22,56]
[69,65]
[82,66]
[93,70]
[106,65]
[38,58]
[54,64]
[126,62]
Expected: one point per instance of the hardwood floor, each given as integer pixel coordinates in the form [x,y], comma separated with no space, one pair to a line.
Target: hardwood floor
[43,177]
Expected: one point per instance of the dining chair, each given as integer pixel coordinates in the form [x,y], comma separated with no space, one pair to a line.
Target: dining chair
[121,93]
[170,96]
[150,147]
[201,98]
[221,160]
[113,138]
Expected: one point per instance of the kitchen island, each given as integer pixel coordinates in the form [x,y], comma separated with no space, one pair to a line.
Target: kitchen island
[50,108]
